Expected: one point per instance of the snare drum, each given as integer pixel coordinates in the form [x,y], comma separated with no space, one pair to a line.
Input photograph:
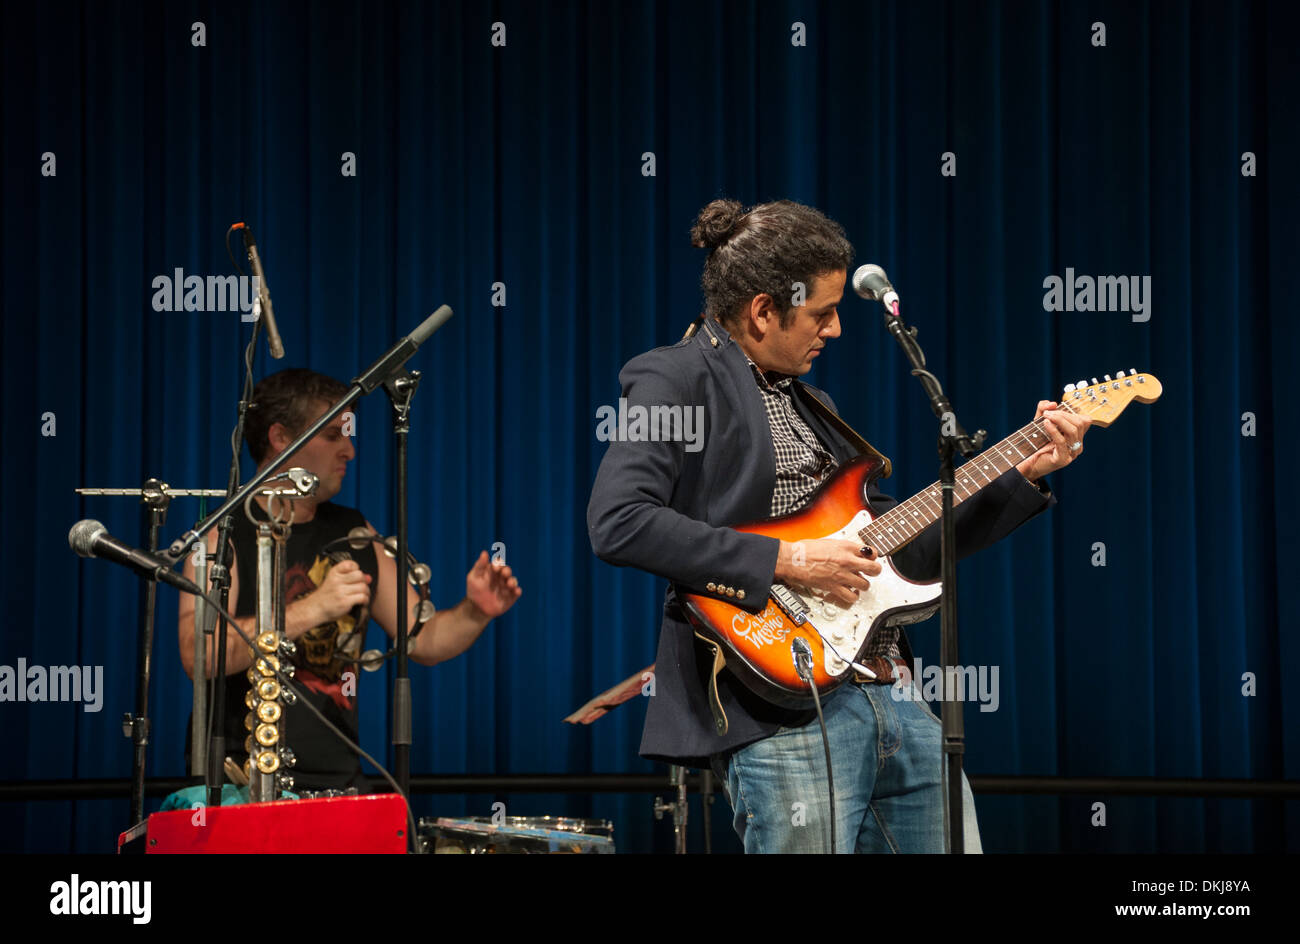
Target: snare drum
[517,834]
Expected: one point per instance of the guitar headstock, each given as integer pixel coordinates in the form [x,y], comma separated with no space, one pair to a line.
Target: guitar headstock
[1106,400]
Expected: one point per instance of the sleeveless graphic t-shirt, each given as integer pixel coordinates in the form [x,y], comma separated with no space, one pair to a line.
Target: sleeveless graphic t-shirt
[322,670]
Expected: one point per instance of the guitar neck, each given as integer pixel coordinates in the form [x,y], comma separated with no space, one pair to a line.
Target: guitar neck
[906,520]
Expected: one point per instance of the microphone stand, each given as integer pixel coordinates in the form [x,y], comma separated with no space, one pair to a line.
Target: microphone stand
[374,376]
[952,438]
[401,387]
[157,497]
[214,774]
[680,808]
[154,495]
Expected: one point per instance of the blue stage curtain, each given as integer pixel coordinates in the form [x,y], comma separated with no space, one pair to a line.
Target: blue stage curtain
[524,168]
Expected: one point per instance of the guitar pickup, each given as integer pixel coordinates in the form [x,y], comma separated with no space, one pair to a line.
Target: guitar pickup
[790,602]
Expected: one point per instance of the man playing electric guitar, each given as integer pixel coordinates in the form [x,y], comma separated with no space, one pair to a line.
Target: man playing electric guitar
[662,508]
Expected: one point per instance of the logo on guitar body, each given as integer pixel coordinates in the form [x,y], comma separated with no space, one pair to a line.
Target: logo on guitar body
[762,630]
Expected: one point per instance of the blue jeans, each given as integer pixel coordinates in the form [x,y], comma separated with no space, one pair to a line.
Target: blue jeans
[886,754]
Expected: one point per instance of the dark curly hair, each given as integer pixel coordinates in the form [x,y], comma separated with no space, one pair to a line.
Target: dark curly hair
[764,250]
[288,397]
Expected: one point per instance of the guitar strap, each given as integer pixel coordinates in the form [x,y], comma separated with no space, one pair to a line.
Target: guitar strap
[715,703]
[845,430]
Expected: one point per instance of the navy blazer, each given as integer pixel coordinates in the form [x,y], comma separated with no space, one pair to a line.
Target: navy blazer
[663,508]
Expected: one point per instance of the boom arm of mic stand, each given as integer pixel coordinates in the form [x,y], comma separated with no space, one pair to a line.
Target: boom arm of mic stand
[380,371]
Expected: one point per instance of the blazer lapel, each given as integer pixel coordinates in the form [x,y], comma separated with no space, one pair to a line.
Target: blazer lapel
[758,454]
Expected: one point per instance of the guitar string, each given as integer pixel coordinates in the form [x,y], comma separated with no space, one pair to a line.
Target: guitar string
[897,518]
[1038,426]
[898,514]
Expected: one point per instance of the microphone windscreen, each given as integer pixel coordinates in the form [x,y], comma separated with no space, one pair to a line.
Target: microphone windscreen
[870,282]
[82,536]
[431,324]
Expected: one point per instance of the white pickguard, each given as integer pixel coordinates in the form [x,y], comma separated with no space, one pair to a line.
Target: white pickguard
[844,630]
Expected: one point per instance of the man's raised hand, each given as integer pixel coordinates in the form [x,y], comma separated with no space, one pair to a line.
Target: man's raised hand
[491,586]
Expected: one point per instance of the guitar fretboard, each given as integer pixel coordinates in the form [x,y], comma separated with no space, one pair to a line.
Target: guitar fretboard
[907,519]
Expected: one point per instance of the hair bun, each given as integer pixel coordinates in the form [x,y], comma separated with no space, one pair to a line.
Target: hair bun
[716,224]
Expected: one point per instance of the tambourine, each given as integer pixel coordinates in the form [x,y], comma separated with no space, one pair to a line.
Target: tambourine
[416,573]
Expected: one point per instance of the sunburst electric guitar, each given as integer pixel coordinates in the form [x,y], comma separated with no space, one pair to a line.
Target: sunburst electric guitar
[758,646]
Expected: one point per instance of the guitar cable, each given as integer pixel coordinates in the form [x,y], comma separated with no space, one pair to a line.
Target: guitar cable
[802,654]
[849,662]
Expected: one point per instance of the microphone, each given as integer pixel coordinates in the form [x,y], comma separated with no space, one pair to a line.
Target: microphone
[401,352]
[872,284]
[264,292]
[89,538]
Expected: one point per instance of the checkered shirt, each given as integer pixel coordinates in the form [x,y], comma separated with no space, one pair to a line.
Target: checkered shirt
[802,464]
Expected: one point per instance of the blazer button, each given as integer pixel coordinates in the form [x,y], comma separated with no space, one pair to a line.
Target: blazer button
[740,594]
[731,591]
[713,587]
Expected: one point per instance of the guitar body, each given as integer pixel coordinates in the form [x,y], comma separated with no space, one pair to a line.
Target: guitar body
[757,646]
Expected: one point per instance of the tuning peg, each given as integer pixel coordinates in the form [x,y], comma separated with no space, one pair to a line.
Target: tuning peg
[1107,378]
[1094,381]
[1119,375]
[1069,388]
[1132,372]
[1080,385]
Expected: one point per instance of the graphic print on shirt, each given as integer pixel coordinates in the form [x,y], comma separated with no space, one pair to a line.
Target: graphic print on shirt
[322,650]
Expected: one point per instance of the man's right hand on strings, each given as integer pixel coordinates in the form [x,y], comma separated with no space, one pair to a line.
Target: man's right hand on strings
[829,564]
